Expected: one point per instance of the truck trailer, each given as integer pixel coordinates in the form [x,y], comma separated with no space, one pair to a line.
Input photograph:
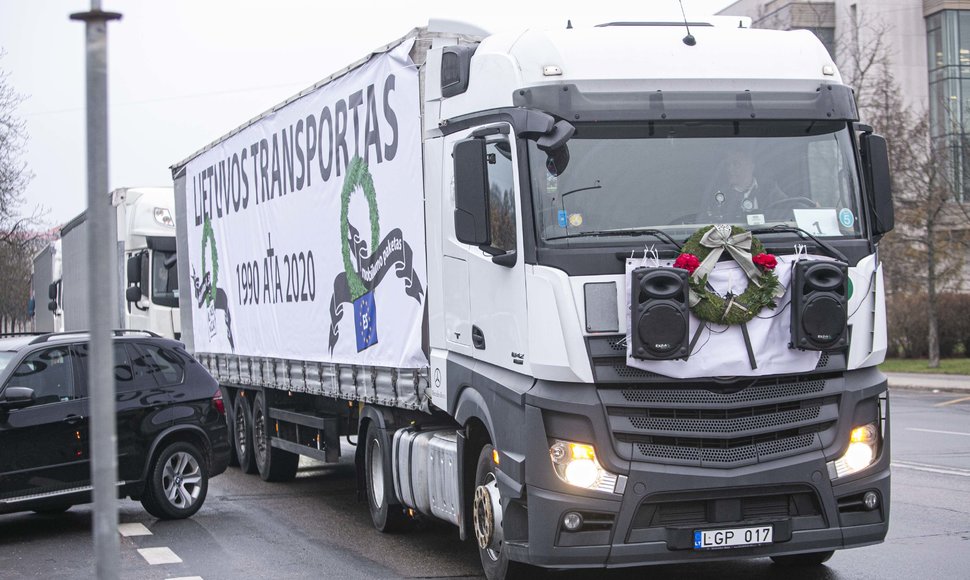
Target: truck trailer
[147,279]
[522,269]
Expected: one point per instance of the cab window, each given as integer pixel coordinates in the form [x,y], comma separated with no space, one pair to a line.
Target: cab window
[501,191]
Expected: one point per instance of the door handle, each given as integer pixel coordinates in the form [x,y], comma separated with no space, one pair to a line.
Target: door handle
[478,338]
[73,419]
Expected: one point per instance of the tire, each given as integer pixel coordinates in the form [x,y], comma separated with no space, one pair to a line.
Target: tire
[495,560]
[177,482]
[242,435]
[387,517]
[273,464]
[803,560]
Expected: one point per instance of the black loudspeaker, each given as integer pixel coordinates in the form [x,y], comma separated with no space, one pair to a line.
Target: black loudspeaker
[819,305]
[660,311]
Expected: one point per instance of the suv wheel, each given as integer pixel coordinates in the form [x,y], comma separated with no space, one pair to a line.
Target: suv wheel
[177,482]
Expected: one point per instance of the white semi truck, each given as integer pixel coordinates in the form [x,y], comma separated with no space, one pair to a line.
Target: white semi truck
[147,275]
[528,273]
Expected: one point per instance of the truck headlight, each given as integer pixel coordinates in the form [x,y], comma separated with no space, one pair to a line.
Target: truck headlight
[576,464]
[862,451]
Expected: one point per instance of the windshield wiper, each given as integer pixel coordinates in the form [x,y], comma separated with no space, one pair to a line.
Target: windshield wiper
[781,228]
[633,232]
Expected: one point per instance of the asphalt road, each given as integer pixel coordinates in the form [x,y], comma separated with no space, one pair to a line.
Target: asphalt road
[314,528]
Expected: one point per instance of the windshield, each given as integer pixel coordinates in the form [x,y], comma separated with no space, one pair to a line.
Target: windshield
[679,176]
[5,358]
[165,282]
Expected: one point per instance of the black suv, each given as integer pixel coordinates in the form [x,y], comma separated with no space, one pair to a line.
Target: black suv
[172,433]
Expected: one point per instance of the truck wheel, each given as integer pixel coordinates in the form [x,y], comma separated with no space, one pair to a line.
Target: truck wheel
[242,435]
[273,464]
[177,482]
[387,517]
[487,525]
[803,560]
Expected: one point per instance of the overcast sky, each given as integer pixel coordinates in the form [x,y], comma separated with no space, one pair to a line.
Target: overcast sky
[184,72]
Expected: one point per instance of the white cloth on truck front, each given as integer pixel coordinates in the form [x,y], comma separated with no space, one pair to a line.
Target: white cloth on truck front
[720,351]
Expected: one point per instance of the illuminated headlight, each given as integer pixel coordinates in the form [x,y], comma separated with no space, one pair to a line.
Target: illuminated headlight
[164,217]
[576,464]
[862,451]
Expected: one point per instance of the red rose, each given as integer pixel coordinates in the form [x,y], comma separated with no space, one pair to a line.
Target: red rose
[766,261]
[687,262]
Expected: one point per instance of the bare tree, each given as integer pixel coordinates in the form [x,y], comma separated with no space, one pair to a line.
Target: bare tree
[16,236]
[924,255]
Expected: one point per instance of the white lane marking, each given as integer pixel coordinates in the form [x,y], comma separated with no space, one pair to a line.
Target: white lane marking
[135,529]
[940,432]
[932,468]
[187,578]
[155,556]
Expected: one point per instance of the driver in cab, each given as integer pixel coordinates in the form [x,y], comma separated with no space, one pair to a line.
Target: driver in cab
[738,195]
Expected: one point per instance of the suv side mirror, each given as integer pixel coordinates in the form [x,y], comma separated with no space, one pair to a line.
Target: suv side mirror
[875,165]
[471,193]
[17,397]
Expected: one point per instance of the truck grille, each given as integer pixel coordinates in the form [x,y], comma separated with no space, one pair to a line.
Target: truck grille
[716,424]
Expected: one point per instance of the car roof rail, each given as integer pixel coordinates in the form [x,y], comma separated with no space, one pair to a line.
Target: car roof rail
[127,331]
[116,332]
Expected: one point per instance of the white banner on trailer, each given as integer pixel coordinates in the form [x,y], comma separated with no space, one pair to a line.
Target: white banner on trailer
[306,229]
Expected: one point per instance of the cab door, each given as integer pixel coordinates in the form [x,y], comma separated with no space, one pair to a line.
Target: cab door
[43,444]
[486,309]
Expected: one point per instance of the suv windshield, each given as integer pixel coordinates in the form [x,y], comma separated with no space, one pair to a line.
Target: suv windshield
[678,176]
[5,358]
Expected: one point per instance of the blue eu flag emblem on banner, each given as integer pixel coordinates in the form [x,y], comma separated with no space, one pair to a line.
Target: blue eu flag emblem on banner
[365,321]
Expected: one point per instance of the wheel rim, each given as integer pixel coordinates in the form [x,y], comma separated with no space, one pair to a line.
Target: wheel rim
[377,473]
[182,480]
[241,430]
[259,434]
[487,517]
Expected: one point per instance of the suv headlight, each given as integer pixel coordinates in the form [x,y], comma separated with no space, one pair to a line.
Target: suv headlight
[861,453]
[576,464]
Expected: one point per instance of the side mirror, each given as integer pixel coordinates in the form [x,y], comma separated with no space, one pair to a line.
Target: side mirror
[16,397]
[875,165]
[133,294]
[471,193]
[52,291]
[134,269]
[52,305]
[553,144]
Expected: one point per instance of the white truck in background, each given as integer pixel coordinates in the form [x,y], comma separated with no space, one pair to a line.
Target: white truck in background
[45,282]
[147,280]
[441,250]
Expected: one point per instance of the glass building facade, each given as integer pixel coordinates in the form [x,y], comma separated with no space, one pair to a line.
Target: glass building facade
[948,48]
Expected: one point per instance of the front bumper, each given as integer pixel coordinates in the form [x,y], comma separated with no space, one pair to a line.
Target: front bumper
[654,519]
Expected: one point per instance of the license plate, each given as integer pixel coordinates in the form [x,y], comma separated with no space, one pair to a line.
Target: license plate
[732,538]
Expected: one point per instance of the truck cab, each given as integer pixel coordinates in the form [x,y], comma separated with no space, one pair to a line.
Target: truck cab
[563,160]
[146,231]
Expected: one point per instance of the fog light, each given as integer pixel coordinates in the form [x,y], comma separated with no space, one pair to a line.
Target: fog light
[576,464]
[572,521]
[870,500]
